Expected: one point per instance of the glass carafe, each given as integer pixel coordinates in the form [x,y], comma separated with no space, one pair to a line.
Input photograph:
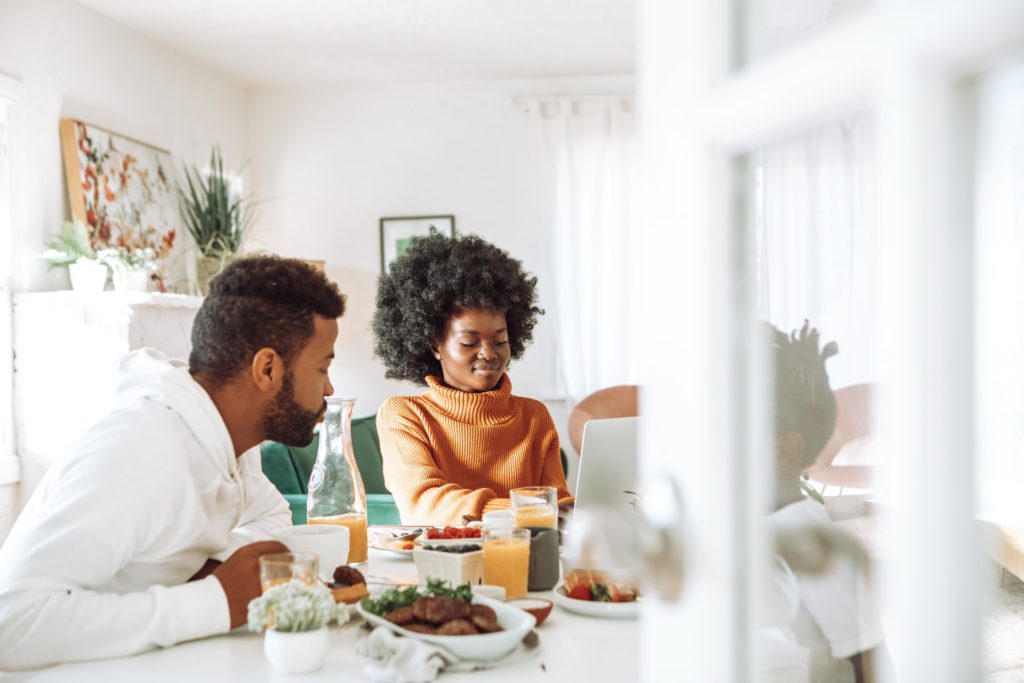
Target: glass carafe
[336,493]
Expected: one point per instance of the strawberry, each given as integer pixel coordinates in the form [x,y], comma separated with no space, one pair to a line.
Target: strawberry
[580,592]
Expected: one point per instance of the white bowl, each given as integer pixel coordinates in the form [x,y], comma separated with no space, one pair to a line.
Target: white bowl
[449,542]
[484,647]
[489,590]
[455,568]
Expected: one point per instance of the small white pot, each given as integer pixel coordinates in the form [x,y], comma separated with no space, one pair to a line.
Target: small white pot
[87,276]
[296,653]
[131,280]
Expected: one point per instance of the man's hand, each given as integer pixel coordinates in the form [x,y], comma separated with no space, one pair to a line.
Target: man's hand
[239,576]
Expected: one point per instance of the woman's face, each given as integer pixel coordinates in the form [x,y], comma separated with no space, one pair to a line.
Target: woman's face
[474,351]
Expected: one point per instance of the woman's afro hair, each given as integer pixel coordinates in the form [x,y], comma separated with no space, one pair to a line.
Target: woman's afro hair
[435,277]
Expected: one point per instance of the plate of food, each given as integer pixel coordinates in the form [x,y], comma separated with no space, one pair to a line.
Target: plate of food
[470,626]
[393,542]
[596,594]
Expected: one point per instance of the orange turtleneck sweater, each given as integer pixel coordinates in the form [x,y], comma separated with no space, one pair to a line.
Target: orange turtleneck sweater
[449,453]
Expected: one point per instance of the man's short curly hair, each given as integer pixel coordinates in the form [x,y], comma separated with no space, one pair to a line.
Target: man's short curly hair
[435,277]
[259,302]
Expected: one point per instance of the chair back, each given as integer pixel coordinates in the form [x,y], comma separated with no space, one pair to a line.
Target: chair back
[617,401]
[853,420]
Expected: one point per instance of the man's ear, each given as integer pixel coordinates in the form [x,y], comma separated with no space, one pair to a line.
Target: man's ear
[267,370]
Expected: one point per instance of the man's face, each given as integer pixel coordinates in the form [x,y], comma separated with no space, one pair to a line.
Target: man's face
[474,352]
[299,404]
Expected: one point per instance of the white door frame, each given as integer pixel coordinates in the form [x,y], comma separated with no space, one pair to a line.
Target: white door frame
[10,470]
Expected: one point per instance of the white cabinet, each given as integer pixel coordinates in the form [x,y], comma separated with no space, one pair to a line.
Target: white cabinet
[66,345]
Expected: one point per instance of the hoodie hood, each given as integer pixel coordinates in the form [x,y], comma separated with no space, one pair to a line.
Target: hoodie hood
[150,374]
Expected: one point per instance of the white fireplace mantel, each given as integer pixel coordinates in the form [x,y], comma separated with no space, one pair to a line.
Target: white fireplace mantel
[66,345]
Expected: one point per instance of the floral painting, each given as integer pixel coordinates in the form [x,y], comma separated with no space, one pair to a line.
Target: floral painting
[121,189]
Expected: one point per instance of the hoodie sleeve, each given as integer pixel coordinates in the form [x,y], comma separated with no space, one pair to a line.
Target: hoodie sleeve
[265,511]
[93,515]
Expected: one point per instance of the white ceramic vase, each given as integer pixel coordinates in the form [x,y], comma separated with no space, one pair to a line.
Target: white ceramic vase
[87,276]
[131,280]
[296,653]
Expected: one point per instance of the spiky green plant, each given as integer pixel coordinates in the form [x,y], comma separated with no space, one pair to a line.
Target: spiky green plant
[69,246]
[217,219]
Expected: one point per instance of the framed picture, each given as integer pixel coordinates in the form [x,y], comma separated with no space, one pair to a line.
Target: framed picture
[395,233]
[121,189]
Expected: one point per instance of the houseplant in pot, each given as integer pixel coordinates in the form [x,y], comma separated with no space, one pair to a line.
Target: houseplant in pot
[295,616]
[132,269]
[72,248]
[215,215]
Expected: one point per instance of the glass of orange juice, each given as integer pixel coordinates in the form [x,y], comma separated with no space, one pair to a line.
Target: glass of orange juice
[278,568]
[535,506]
[355,522]
[507,559]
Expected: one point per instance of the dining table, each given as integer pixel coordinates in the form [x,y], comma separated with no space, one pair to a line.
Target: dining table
[568,647]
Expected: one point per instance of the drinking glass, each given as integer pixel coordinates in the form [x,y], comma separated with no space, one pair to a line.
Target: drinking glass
[535,506]
[507,559]
[278,568]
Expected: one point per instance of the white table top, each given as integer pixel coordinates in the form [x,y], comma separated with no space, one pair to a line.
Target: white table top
[572,648]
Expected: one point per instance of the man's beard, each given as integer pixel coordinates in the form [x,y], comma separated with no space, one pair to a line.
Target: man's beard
[288,422]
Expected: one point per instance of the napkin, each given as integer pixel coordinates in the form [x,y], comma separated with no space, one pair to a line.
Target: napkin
[396,659]
[402,660]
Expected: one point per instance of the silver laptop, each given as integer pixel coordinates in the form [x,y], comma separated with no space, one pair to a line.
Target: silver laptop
[607,474]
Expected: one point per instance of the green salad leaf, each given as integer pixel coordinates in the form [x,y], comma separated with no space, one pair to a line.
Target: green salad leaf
[599,593]
[443,589]
[390,600]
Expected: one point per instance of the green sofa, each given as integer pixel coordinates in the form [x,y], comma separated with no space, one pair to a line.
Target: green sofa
[289,467]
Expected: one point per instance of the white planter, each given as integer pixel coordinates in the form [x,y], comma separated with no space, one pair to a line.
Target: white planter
[296,653]
[131,280]
[87,276]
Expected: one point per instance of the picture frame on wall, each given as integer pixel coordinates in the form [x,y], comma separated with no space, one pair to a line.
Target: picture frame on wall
[121,189]
[395,233]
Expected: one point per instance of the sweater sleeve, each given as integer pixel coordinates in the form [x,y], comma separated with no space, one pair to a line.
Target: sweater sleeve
[422,493]
[88,519]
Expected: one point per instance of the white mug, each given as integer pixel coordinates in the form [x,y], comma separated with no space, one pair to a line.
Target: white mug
[498,519]
[328,541]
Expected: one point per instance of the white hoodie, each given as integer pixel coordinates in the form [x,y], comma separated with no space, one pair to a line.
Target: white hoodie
[98,562]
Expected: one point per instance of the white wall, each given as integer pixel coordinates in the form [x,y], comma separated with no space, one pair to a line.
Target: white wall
[75,63]
[333,161]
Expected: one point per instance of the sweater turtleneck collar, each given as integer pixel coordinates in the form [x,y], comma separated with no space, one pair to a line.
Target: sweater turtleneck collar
[483,408]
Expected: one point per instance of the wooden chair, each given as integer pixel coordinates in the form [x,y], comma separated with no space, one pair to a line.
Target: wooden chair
[617,401]
[853,421]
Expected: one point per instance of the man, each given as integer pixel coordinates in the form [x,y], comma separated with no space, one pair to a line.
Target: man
[143,535]
[837,619]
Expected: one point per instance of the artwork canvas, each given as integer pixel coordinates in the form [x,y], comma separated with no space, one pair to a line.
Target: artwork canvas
[121,189]
[396,233]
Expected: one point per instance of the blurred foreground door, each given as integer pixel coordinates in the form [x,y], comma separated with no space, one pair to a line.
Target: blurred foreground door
[714,89]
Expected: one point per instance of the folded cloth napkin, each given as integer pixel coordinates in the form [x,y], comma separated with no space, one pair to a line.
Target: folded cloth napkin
[395,659]
[401,660]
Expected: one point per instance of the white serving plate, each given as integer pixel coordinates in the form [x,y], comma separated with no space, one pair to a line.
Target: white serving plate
[382,542]
[481,648]
[604,610]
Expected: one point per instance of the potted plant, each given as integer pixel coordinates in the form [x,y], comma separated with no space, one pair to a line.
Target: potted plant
[132,269]
[72,248]
[295,616]
[215,215]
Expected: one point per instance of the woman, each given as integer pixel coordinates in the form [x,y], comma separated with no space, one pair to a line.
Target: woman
[451,314]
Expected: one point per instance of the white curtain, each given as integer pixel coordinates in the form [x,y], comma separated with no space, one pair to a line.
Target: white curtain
[585,153]
[816,241]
